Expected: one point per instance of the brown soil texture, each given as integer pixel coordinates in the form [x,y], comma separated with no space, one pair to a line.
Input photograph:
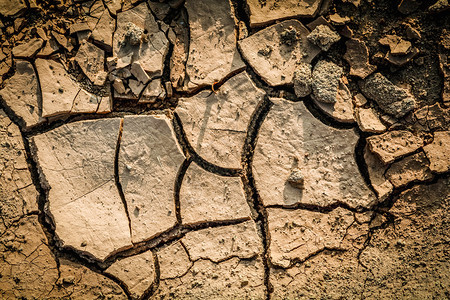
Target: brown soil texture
[232,149]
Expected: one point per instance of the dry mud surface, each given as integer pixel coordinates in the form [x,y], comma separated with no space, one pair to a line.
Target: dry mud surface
[232,149]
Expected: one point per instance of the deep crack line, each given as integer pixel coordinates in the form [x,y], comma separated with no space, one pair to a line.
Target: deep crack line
[251,193]
[117,179]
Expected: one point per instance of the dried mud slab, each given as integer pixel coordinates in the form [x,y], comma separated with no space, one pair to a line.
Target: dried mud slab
[219,262]
[76,164]
[295,235]
[149,159]
[412,168]
[173,261]
[138,38]
[22,94]
[207,197]
[265,12]
[291,139]
[17,192]
[212,49]
[376,170]
[222,243]
[438,152]
[274,52]
[137,272]
[216,123]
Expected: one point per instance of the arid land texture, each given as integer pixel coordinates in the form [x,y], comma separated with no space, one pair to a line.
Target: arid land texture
[224,149]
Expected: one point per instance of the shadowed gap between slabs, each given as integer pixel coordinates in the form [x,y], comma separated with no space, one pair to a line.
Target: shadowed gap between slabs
[251,192]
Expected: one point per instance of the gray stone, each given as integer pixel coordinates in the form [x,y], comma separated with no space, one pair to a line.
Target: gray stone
[291,139]
[326,78]
[391,99]
[323,37]
[275,51]
[302,80]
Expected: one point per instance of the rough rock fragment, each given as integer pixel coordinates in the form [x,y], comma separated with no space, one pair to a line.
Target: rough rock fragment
[76,162]
[400,60]
[222,243]
[292,138]
[275,51]
[62,40]
[119,86]
[434,117]
[137,272]
[212,50]
[105,105]
[264,12]
[18,194]
[325,81]
[28,49]
[103,31]
[216,123]
[323,37]
[231,279]
[438,152]
[445,71]
[302,80]
[357,55]
[412,33]
[152,92]
[401,48]
[298,234]
[368,120]
[376,169]
[139,73]
[408,6]
[58,89]
[10,8]
[342,109]
[79,27]
[149,159]
[394,144]
[21,94]
[337,19]
[90,59]
[85,102]
[173,261]
[359,100]
[49,48]
[138,36]
[409,169]
[202,201]
[439,6]
[392,99]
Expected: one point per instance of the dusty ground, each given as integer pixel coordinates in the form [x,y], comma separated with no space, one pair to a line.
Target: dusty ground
[259,149]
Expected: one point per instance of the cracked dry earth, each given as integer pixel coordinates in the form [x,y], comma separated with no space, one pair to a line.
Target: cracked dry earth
[224,149]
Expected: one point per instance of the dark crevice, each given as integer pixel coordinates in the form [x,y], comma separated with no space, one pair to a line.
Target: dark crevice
[251,192]
[360,161]
[189,151]
[178,182]
[155,284]
[117,178]
[167,237]
[295,261]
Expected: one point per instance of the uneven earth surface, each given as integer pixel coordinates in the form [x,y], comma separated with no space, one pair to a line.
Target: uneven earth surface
[224,149]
